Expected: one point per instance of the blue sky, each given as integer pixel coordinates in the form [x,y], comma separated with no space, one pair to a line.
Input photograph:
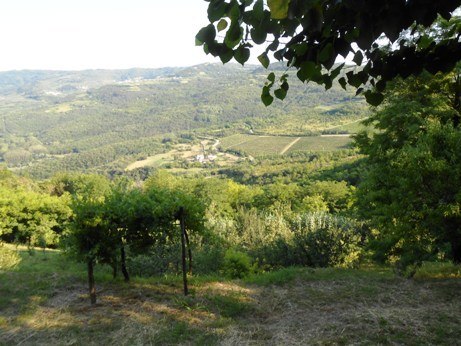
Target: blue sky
[88,34]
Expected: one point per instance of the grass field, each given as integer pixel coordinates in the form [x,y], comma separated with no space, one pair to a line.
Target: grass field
[352,127]
[267,145]
[43,301]
[322,143]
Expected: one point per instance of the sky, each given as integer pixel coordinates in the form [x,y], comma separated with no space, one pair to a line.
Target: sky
[92,34]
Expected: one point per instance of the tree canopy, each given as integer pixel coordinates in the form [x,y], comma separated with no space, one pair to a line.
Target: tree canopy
[410,190]
[386,39]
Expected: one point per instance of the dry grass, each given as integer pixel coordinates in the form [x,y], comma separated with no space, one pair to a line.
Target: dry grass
[290,307]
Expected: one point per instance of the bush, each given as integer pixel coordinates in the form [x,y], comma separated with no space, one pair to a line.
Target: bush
[237,264]
[315,240]
[277,239]
[208,260]
[160,260]
[326,240]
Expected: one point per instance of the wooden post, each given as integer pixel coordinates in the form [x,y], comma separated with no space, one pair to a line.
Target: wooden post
[189,250]
[182,223]
[91,285]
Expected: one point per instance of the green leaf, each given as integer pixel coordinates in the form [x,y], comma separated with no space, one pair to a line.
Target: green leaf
[374,98]
[342,82]
[309,71]
[226,55]
[278,8]
[326,53]
[358,58]
[280,94]
[300,49]
[266,97]
[327,81]
[381,85]
[216,9]
[335,73]
[258,35]
[233,35]
[258,10]
[271,77]
[264,60]
[233,11]
[205,35]
[425,41]
[354,79]
[242,54]
[352,35]
[285,86]
[222,24]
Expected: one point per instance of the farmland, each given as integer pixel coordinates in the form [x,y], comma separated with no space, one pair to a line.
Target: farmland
[350,127]
[269,145]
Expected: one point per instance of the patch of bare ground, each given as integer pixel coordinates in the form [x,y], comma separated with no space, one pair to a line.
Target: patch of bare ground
[365,312]
[316,307]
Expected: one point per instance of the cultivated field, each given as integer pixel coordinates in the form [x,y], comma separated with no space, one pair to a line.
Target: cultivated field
[352,127]
[322,143]
[266,145]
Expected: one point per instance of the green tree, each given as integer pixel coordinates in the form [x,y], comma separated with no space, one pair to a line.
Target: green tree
[393,38]
[31,217]
[336,195]
[90,239]
[410,190]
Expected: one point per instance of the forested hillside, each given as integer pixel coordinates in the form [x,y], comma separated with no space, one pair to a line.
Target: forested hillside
[170,206]
[103,120]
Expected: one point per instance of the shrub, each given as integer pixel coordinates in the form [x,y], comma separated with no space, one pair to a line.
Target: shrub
[208,259]
[324,240]
[160,260]
[236,264]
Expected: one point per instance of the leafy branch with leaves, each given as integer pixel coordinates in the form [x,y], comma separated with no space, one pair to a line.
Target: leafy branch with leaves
[385,38]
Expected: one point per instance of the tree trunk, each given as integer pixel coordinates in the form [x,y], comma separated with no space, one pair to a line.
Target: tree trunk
[452,226]
[91,285]
[123,264]
[456,251]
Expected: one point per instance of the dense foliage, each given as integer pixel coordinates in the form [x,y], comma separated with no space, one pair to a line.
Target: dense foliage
[386,39]
[411,188]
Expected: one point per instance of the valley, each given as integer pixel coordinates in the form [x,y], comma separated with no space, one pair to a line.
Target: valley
[116,120]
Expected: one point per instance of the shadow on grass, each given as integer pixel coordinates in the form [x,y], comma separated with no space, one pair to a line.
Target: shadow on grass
[44,300]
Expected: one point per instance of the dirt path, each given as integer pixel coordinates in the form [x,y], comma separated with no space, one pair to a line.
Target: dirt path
[284,150]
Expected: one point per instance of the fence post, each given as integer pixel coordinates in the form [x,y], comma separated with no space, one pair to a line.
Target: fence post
[183,248]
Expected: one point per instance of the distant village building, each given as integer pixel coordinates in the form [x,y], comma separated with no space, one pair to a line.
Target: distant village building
[202,158]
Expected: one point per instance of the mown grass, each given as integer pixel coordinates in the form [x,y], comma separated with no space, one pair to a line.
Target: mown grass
[43,300]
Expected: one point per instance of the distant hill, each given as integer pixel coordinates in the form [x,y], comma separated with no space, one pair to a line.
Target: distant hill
[99,119]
